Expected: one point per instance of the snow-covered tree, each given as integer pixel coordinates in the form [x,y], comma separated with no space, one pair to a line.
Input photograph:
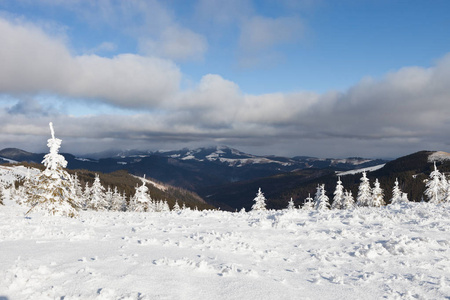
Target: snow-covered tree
[396,193]
[141,200]
[338,195]
[76,188]
[435,190]
[97,199]
[176,206]
[308,204]
[348,202]
[260,201]
[86,195]
[291,205]
[109,197]
[322,201]
[377,195]
[165,206]
[52,191]
[117,201]
[364,191]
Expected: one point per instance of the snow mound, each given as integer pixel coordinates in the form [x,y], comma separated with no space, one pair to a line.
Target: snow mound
[439,156]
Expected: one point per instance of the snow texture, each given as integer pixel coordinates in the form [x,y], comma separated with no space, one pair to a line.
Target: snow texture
[395,252]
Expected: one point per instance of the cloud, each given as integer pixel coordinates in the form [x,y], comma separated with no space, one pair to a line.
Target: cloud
[175,43]
[152,23]
[260,35]
[34,62]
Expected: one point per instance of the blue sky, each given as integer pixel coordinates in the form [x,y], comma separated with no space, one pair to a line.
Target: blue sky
[320,78]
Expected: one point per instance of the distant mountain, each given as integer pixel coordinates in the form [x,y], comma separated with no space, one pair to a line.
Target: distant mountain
[410,170]
[198,169]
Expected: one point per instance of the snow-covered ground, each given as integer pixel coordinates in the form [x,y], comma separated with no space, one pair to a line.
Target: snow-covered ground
[394,252]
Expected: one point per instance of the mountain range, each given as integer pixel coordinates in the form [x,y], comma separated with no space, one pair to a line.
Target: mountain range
[228,178]
[197,168]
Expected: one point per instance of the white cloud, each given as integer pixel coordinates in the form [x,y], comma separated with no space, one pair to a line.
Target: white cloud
[175,43]
[33,62]
[260,36]
[260,33]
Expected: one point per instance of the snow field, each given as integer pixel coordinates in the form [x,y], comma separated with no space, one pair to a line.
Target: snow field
[394,252]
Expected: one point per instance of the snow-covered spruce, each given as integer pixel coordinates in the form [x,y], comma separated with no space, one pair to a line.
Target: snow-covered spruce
[338,195]
[321,200]
[348,202]
[377,195]
[97,199]
[364,191]
[260,201]
[141,201]
[435,188]
[308,203]
[291,205]
[52,191]
[396,193]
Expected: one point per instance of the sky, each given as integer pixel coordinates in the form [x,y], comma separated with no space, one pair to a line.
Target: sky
[321,78]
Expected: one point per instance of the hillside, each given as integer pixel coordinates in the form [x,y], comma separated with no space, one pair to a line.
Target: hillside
[124,181]
[198,168]
[411,171]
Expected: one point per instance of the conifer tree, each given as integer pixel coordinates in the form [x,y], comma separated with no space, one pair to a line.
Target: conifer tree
[291,205]
[322,202]
[377,195]
[117,201]
[52,191]
[86,195]
[338,195]
[308,203]
[348,202]
[260,201]
[435,191]
[396,193]
[97,200]
[76,188]
[141,200]
[364,191]
[109,197]
[176,207]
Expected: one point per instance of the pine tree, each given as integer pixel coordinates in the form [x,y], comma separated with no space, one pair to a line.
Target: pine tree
[435,190]
[76,189]
[338,195]
[364,191]
[109,197]
[308,204]
[117,201]
[377,195]
[260,201]
[52,192]
[349,202]
[322,202]
[176,207]
[86,195]
[396,193]
[141,200]
[291,205]
[97,200]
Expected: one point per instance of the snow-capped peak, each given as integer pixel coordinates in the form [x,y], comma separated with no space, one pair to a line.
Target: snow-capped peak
[439,156]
